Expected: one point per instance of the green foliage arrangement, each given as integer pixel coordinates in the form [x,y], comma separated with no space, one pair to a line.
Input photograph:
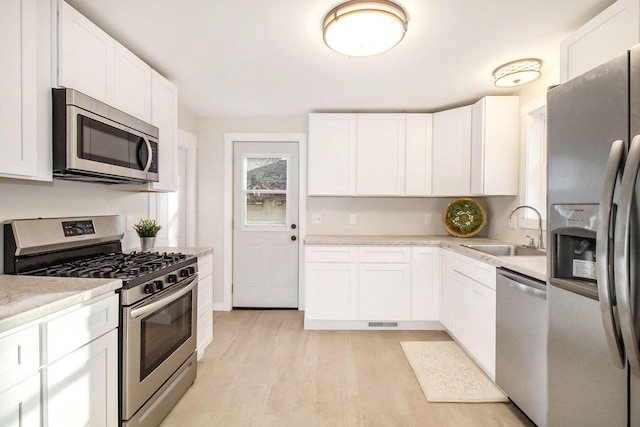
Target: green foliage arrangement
[147,228]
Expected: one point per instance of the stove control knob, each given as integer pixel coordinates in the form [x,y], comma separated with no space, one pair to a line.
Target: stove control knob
[184,273]
[172,278]
[158,285]
[149,288]
[192,270]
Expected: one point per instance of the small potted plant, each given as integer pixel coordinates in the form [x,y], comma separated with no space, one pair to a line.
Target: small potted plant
[147,230]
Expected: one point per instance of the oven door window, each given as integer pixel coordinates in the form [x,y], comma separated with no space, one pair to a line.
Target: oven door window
[162,332]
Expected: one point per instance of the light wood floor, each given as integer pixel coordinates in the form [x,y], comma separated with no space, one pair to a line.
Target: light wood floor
[263,369]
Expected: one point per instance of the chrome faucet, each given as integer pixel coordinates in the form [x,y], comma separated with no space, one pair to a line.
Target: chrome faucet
[540,245]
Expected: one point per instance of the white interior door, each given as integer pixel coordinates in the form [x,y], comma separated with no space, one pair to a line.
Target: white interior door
[265,232]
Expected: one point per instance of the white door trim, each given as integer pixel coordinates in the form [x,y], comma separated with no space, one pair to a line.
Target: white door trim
[229,139]
[189,142]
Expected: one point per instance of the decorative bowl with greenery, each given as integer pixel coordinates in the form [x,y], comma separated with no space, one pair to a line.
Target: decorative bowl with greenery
[147,228]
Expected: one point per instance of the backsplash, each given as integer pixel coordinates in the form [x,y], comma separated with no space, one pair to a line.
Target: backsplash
[25,199]
[404,216]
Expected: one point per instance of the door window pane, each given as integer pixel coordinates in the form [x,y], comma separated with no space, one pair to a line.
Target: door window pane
[266,209]
[264,173]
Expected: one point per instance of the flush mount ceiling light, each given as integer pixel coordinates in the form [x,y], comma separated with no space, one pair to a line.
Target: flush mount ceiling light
[364,28]
[517,73]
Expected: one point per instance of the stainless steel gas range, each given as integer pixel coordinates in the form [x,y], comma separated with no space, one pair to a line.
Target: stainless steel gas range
[158,302]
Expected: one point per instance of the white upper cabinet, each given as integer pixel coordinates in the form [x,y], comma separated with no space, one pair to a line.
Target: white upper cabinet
[131,84]
[419,148]
[452,152]
[494,146]
[369,155]
[381,154]
[18,111]
[85,55]
[332,151]
[92,62]
[164,115]
[607,35]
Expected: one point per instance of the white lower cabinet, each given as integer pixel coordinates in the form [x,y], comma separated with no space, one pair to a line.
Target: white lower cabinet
[425,288]
[20,404]
[384,292]
[469,306]
[362,287]
[62,369]
[204,335]
[331,291]
[85,380]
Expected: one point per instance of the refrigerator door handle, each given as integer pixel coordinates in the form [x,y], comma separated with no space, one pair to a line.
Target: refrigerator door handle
[604,233]
[621,261]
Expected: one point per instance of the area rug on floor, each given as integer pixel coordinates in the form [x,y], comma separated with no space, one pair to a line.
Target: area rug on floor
[447,374]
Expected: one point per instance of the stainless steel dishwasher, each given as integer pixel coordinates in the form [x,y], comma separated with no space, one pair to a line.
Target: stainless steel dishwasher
[521,342]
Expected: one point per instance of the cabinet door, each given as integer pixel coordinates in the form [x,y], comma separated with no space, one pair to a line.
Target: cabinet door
[447,291]
[495,141]
[20,405]
[87,381]
[425,290]
[380,154]
[451,152]
[18,138]
[419,148]
[332,155]
[485,327]
[610,33]
[384,292]
[331,291]
[164,115]
[204,332]
[85,55]
[464,310]
[131,84]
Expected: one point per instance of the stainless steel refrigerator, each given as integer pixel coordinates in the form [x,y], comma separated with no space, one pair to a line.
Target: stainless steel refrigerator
[594,252]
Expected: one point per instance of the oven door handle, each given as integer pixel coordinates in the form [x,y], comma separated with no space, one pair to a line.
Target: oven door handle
[162,302]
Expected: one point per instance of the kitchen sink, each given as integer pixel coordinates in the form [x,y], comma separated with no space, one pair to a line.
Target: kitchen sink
[506,250]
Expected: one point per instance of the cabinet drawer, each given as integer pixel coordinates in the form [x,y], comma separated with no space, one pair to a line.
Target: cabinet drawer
[76,328]
[484,273]
[385,254]
[331,254]
[462,265]
[205,266]
[19,356]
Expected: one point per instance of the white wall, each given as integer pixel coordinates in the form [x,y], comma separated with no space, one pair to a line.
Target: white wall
[24,199]
[210,133]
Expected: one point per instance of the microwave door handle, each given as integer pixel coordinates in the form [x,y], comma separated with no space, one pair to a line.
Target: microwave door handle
[149,156]
[621,259]
[606,292]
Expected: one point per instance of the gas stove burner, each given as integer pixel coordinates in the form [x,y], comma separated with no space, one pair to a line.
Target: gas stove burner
[125,266]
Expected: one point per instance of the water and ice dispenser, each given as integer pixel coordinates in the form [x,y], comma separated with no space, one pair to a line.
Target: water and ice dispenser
[572,245]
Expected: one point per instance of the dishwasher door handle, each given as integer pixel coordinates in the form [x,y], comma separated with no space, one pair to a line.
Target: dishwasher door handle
[527,289]
[524,284]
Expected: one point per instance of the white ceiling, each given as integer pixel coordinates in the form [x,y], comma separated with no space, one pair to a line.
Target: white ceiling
[267,58]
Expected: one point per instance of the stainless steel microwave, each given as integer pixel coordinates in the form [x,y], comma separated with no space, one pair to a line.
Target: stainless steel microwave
[94,142]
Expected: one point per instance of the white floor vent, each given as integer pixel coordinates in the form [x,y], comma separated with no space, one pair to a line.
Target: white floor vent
[383,324]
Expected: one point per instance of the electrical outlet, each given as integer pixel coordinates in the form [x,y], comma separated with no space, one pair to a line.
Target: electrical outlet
[352,219]
[427,218]
[316,219]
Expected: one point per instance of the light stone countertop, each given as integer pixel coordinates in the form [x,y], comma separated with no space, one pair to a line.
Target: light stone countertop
[532,266]
[27,298]
[193,250]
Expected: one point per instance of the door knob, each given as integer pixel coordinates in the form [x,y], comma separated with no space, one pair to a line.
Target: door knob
[293,238]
